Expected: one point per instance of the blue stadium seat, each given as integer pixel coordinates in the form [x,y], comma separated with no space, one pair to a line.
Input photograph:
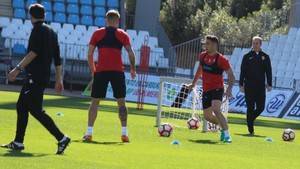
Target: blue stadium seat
[73,19]
[47,5]
[99,11]
[73,9]
[49,17]
[87,20]
[59,7]
[29,2]
[86,2]
[99,2]
[18,3]
[100,21]
[19,49]
[86,10]
[72,1]
[19,13]
[60,17]
[113,3]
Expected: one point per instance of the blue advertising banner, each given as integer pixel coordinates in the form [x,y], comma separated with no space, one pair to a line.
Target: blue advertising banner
[294,110]
[276,100]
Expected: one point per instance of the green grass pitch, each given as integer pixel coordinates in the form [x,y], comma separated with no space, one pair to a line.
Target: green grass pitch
[146,150]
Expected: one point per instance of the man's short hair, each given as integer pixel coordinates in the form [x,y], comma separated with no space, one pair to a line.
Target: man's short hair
[112,15]
[212,38]
[257,38]
[37,11]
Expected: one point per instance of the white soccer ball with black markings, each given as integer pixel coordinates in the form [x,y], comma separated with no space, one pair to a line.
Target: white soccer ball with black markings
[288,135]
[193,123]
[165,130]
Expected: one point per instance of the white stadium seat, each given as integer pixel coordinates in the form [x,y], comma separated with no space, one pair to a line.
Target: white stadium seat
[153,42]
[80,28]
[92,29]
[265,45]
[16,22]
[68,27]
[132,34]
[297,75]
[7,43]
[61,38]
[159,52]
[4,22]
[70,39]
[6,32]
[55,26]
[142,35]
[293,32]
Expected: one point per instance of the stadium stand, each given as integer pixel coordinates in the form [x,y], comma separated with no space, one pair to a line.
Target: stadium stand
[17,33]
[74,21]
[284,52]
[73,9]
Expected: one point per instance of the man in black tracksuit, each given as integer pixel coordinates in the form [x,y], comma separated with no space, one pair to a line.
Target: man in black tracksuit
[255,68]
[43,47]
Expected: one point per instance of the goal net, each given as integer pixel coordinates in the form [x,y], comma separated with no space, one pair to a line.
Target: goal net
[176,104]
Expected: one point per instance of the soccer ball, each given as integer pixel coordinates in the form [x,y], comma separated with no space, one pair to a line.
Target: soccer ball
[288,135]
[165,130]
[193,123]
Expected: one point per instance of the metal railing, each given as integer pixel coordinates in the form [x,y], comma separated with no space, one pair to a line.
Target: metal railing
[184,56]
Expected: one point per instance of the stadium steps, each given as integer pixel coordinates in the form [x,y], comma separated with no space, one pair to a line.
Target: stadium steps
[5,8]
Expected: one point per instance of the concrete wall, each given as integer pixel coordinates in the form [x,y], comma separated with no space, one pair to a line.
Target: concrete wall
[147,18]
[122,13]
[147,15]
[295,14]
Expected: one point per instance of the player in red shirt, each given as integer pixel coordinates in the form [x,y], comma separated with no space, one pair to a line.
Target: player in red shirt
[211,68]
[109,40]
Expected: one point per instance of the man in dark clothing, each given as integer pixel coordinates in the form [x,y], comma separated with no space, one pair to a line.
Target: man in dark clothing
[256,66]
[43,47]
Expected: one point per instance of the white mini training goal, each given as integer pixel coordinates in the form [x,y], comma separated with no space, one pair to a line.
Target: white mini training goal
[176,104]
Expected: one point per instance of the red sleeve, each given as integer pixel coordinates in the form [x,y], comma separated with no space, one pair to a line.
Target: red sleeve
[224,63]
[97,36]
[123,37]
[200,56]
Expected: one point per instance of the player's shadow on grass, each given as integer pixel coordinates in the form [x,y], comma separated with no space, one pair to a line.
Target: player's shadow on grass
[20,154]
[265,123]
[100,142]
[205,142]
[248,135]
[81,104]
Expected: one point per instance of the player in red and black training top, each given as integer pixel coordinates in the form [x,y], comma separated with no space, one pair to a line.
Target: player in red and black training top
[211,67]
[109,40]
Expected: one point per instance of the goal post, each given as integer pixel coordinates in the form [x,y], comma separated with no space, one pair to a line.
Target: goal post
[176,103]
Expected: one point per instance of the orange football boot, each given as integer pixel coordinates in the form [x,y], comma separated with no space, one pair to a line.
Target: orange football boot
[125,139]
[87,138]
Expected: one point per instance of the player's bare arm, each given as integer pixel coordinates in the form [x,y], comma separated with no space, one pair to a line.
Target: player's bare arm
[21,66]
[59,87]
[196,78]
[91,59]
[132,60]
[231,80]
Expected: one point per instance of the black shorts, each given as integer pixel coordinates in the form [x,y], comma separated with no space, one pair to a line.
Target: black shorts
[209,96]
[100,84]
